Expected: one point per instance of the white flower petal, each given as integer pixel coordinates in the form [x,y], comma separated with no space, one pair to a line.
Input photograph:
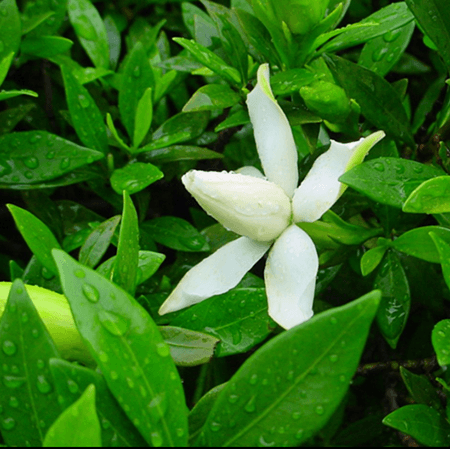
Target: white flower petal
[248,170]
[273,135]
[290,277]
[249,206]
[216,274]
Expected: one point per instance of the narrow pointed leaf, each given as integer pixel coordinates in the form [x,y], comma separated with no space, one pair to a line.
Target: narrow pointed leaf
[43,18]
[135,177]
[130,352]
[10,28]
[144,116]
[212,97]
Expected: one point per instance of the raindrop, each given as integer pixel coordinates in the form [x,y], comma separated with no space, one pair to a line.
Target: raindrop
[378,54]
[9,348]
[263,443]
[43,386]
[65,163]
[193,243]
[31,162]
[296,416]
[254,379]
[8,423]
[441,333]
[250,407]
[15,369]
[80,274]
[114,375]
[378,166]
[103,357]
[50,155]
[333,320]
[333,358]
[137,72]
[418,168]
[157,406]
[215,426]
[33,139]
[113,323]
[233,398]
[35,333]
[299,434]
[179,432]
[163,349]
[24,317]
[320,410]
[342,378]
[142,391]
[46,274]
[40,364]
[84,101]
[156,438]
[130,382]
[136,422]
[73,386]
[28,175]
[391,36]
[13,402]
[290,375]
[105,424]
[90,293]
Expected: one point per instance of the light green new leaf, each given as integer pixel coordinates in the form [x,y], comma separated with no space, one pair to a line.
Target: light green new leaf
[144,116]
[27,396]
[127,258]
[431,197]
[85,116]
[90,30]
[294,382]
[135,177]
[38,236]
[78,425]
[7,94]
[130,352]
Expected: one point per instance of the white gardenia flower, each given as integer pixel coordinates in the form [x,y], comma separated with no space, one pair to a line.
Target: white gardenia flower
[264,211]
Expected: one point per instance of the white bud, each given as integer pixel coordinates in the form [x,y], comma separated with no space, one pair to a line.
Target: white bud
[249,206]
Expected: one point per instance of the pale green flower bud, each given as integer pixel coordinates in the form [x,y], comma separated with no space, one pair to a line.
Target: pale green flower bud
[249,206]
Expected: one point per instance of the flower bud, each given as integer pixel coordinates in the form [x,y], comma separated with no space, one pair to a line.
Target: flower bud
[249,206]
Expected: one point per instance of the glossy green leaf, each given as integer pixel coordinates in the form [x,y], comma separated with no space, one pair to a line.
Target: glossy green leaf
[5,64]
[379,101]
[45,46]
[382,53]
[210,60]
[43,18]
[144,116]
[392,180]
[212,97]
[38,236]
[90,30]
[181,153]
[294,382]
[126,263]
[395,302]
[175,233]
[137,77]
[7,94]
[10,28]
[85,116]
[27,396]
[372,258]
[238,118]
[423,423]
[84,75]
[238,318]
[71,380]
[284,83]
[166,83]
[441,342]
[114,40]
[98,241]
[431,197]
[37,156]
[381,22]
[115,134]
[130,352]
[443,250]
[63,431]
[12,116]
[418,242]
[187,347]
[179,128]
[75,216]
[434,17]
[421,389]
[135,177]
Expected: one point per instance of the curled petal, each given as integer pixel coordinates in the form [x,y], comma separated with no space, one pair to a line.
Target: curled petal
[321,187]
[216,274]
[290,277]
[273,135]
[249,206]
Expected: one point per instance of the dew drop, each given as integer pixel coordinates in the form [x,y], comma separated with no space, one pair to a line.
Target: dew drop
[115,324]
[137,72]
[233,398]
[90,293]
[43,386]
[50,155]
[156,438]
[215,426]
[263,443]
[80,274]
[73,386]
[105,424]
[31,162]
[320,410]
[157,406]
[179,432]
[40,364]
[163,349]
[114,375]
[342,378]
[130,382]
[9,348]
[296,416]
[250,407]
[8,423]
[13,402]
[299,434]
[378,166]
[35,333]
[84,101]
[103,357]
[253,379]
[333,320]
[65,163]
[333,358]
[24,317]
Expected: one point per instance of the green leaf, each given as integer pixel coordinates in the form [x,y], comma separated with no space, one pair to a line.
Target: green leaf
[395,302]
[144,116]
[420,243]
[10,28]
[181,153]
[382,53]
[431,197]
[135,177]
[176,233]
[392,180]
[37,156]
[30,23]
[12,116]
[71,380]
[187,347]
[379,101]
[443,249]
[98,241]
[43,18]
[45,46]
[90,30]
[434,17]
[284,83]
[244,325]
[372,258]
[63,432]
[384,21]
[238,118]
[112,128]
[136,79]
[7,94]
[212,97]
[440,338]
[133,358]
[210,60]
[179,128]
[126,263]
[114,40]
[5,64]
[27,396]
[294,382]
[423,423]
[84,113]
[38,236]
[421,389]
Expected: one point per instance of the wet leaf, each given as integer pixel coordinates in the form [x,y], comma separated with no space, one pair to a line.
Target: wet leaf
[28,399]
[289,81]
[5,64]
[43,18]
[45,46]
[7,94]
[212,97]
[421,389]
[431,197]
[130,352]
[294,382]
[63,434]
[144,116]
[135,177]
[10,28]
[440,338]
[371,259]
